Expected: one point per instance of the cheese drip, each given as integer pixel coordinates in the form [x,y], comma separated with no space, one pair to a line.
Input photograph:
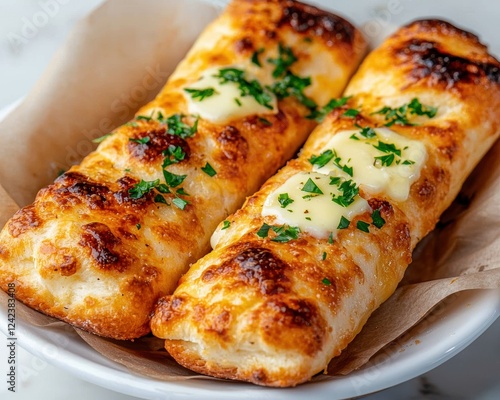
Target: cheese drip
[226,103]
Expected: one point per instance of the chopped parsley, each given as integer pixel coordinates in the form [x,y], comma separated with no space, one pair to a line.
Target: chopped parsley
[226,224]
[173,154]
[319,115]
[293,85]
[343,223]
[247,88]
[138,226]
[143,118]
[330,238]
[323,159]
[101,139]
[144,140]
[328,155]
[265,121]
[283,233]
[285,200]
[326,282]
[143,188]
[208,169]
[255,57]
[351,113]
[400,115]
[160,199]
[387,148]
[385,161]
[200,94]
[377,219]
[349,192]
[173,180]
[285,59]
[175,125]
[363,226]
[180,203]
[323,257]
[311,187]
[238,102]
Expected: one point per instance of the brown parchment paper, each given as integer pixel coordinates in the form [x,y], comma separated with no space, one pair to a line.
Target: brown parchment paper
[101,76]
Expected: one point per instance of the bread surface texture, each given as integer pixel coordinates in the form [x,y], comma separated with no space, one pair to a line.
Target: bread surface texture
[273,309]
[110,236]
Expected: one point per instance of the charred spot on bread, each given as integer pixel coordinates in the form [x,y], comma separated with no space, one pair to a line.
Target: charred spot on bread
[103,246]
[23,220]
[310,20]
[428,60]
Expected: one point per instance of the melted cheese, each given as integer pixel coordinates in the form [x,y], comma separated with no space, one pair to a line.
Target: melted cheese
[314,213]
[392,178]
[226,103]
[382,163]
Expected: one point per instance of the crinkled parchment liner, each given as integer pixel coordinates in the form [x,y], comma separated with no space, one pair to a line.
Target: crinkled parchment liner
[89,89]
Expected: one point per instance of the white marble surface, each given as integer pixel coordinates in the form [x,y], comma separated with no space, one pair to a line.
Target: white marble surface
[30,33]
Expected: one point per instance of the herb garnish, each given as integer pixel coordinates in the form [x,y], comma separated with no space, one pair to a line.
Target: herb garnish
[399,115]
[255,56]
[284,233]
[226,224]
[351,113]
[173,154]
[363,226]
[311,187]
[377,219]
[142,188]
[101,139]
[285,59]
[285,200]
[344,223]
[319,115]
[208,169]
[349,192]
[144,140]
[200,94]
[180,203]
[175,125]
[247,88]
[326,282]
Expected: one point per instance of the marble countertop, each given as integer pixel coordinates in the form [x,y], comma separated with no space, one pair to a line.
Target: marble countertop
[30,33]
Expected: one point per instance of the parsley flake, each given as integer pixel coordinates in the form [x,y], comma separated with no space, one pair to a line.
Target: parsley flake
[101,139]
[284,200]
[311,187]
[351,113]
[344,223]
[319,115]
[226,224]
[377,219]
[142,188]
[255,57]
[208,169]
[201,94]
[349,192]
[180,203]
[284,233]
[177,127]
[285,59]
[363,226]
[144,140]
[323,159]
[173,154]
[399,115]
[326,282]
[173,180]
[247,88]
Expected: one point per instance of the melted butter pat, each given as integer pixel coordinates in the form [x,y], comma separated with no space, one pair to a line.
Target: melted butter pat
[315,214]
[226,103]
[368,168]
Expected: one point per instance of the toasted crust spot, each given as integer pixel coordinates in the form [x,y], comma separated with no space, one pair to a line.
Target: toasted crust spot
[24,220]
[159,141]
[313,21]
